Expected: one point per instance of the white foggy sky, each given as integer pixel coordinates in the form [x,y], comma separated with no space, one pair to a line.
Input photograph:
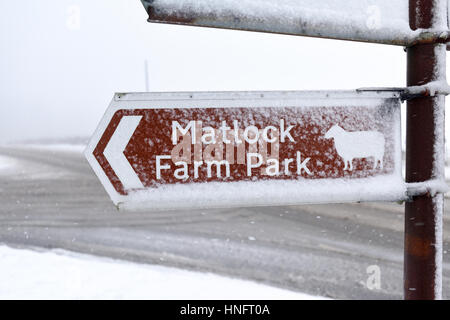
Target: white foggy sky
[57,82]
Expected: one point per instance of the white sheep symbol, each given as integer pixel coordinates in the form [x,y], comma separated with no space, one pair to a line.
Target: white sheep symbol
[358,144]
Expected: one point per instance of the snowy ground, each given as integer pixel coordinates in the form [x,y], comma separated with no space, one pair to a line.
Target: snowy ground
[51,199]
[6,164]
[26,274]
[61,147]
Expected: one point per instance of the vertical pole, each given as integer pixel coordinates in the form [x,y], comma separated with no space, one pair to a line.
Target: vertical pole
[424,160]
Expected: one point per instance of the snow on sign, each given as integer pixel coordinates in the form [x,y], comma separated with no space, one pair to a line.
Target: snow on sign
[379,21]
[221,149]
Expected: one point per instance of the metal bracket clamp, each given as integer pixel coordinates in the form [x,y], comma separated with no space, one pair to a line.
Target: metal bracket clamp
[408,93]
[430,187]
[431,37]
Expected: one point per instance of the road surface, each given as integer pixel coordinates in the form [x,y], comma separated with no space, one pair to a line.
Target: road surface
[52,199]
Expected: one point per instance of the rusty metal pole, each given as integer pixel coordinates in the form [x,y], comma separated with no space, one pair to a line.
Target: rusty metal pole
[424,161]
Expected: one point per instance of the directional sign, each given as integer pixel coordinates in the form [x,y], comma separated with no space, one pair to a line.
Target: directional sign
[379,21]
[185,150]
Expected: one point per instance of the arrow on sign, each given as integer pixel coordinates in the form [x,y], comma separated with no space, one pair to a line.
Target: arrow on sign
[115,156]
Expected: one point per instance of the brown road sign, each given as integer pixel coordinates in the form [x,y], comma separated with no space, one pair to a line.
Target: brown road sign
[170,150]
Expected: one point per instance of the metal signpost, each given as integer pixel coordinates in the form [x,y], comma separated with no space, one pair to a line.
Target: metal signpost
[265,148]
[424,160]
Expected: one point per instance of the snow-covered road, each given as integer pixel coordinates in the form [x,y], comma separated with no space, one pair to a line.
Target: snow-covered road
[52,199]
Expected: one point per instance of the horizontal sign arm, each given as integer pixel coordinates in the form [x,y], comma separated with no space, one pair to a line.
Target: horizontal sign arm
[383,23]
